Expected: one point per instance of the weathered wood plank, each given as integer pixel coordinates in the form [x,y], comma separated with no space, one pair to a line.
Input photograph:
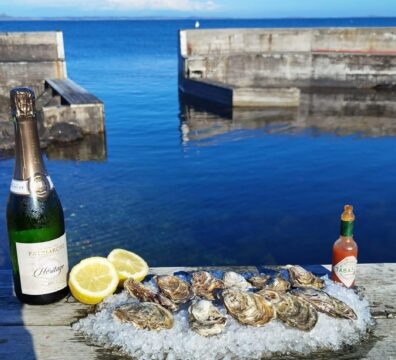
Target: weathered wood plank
[48,343]
[72,93]
[379,285]
[60,342]
[384,343]
[44,332]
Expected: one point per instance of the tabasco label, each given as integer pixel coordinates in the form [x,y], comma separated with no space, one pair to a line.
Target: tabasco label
[345,270]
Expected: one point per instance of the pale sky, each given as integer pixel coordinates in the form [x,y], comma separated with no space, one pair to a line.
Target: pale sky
[210,8]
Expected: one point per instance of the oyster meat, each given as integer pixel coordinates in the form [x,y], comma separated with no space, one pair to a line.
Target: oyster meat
[144,294]
[174,288]
[205,318]
[248,308]
[259,281]
[203,284]
[278,284]
[145,315]
[236,281]
[301,278]
[326,303]
[296,312]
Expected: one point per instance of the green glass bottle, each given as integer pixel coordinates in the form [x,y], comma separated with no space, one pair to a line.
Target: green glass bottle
[35,220]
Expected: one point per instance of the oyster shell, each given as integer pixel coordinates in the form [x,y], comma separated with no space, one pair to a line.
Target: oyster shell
[259,281]
[144,294]
[296,312]
[175,289]
[278,284]
[248,308]
[203,284]
[139,291]
[234,280]
[301,278]
[326,303]
[205,318]
[145,315]
[272,296]
[168,303]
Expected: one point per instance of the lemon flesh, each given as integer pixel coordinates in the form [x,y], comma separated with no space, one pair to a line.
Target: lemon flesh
[92,280]
[128,265]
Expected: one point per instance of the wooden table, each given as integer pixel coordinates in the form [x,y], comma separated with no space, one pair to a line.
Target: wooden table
[44,333]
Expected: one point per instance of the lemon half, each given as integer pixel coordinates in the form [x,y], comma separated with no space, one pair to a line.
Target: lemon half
[128,265]
[92,279]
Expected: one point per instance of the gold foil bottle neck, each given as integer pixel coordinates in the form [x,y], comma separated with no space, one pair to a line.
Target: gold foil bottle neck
[348,214]
[22,103]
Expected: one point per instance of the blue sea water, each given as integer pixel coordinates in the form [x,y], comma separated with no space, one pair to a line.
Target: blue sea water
[254,197]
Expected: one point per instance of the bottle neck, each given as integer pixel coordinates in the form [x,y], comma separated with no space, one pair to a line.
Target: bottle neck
[28,158]
[346,231]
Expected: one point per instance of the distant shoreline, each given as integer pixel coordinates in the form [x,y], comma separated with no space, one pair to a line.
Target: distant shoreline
[164,18]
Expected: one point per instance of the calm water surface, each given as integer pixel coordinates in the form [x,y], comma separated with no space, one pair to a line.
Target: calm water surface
[181,186]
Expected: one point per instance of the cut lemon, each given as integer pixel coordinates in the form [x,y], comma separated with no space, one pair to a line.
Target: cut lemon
[128,265]
[92,279]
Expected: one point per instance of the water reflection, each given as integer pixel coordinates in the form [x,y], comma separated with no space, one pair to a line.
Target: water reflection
[362,112]
[89,148]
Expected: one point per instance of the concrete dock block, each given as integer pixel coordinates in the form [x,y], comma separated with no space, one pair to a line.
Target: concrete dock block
[266,97]
[89,118]
[286,58]
[65,109]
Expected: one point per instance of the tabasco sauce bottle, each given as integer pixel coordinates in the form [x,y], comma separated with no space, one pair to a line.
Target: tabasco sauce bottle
[345,251]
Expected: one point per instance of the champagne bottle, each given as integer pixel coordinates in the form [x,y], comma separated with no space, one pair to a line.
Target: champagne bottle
[35,220]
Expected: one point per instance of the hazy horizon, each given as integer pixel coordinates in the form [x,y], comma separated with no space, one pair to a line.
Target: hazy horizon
[218,9]
[186,17]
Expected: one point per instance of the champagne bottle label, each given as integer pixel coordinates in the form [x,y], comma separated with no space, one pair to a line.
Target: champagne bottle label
[346,270]
[39,185]
[43,266]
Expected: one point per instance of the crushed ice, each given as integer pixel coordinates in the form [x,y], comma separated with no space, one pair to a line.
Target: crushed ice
[236,341]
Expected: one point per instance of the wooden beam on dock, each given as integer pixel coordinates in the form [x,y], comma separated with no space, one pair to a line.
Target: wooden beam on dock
[71,93]
[43,332]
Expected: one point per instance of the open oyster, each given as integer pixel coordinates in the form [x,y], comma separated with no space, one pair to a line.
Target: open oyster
[203,284]
[168,303]
[278,284]
[248,308]
[272,296]
[301,278]
[139,291]
[326,303]
[234,280]
[296,312]
[144,294]
[145,315]
[205,318]
[174,288]
[259,281]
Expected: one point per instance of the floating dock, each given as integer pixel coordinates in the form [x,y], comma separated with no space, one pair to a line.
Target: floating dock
[37,60]
[44,332]
[270,66]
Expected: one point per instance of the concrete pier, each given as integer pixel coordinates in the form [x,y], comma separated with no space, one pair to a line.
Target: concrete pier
[264,59]
[66,111]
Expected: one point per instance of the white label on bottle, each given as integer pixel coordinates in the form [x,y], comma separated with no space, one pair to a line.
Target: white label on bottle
[346,270]
[43,266]
[22,187]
